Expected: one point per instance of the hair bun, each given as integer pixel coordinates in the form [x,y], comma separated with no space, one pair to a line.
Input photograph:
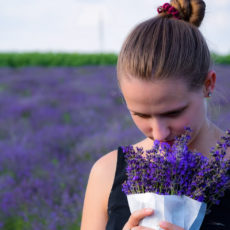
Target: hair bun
[192,11]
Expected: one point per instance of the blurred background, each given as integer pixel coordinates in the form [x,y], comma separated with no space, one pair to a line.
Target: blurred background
[92,25]
[61,108]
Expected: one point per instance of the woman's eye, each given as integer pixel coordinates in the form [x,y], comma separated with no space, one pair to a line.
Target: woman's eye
[141,115]
[174,114]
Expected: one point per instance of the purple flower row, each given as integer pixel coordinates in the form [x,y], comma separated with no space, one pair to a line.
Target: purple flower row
[54,124]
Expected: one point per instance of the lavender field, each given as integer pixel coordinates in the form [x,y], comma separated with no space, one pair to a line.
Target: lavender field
[54,123]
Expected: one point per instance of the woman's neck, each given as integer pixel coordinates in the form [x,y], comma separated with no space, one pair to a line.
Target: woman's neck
[209,135]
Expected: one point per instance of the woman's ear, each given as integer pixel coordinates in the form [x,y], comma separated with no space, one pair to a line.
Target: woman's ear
[209,83]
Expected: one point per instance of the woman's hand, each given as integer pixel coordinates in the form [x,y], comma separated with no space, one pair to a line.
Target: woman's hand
[168,226]
[137,216]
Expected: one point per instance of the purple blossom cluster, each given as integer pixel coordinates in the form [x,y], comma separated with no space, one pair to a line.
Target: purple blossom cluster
[176,170]
[54,124]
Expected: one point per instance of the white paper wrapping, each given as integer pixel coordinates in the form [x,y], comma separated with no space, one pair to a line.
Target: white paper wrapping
[182,211]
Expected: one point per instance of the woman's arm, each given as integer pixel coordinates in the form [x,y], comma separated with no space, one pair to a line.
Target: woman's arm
[94,215]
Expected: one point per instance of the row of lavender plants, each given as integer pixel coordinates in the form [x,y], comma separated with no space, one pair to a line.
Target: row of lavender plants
[54,124]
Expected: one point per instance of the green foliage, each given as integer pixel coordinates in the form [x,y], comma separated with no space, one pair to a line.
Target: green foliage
[55,59]
[220,59]
[15,223]
[71,59]
[67,118]
[76,225]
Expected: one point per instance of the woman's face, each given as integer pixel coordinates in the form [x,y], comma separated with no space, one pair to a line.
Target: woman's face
[162,108]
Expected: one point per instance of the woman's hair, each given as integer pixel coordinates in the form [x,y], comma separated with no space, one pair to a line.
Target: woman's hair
[166,47]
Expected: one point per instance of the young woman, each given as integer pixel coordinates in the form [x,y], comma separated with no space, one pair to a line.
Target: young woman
[165,75]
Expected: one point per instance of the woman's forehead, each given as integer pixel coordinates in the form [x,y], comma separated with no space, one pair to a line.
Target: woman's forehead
[160,94]
[158,89]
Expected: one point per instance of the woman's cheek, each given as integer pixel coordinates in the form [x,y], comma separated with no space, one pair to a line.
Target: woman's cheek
[141,123]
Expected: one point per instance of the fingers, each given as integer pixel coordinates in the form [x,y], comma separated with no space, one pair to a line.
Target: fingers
[136,217]
[168,226]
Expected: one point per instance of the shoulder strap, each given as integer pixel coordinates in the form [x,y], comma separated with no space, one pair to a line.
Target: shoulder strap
[121,163]
[120,168]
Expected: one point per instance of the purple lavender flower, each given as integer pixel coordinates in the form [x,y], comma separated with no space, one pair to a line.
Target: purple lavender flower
[54,124]
[176,170]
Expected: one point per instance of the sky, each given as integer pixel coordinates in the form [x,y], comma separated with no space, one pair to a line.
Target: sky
[88,26]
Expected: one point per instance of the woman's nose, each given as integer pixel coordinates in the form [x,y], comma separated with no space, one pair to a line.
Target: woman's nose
[160,130]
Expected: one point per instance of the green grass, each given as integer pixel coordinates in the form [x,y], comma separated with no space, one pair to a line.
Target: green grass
[72,59]
[17,223]
[55,59]
[221,59]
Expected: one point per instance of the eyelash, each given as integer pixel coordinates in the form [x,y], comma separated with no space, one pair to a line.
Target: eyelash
[142,116]
[174,114]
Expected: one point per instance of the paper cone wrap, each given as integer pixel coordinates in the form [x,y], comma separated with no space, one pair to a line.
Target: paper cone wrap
[182,211]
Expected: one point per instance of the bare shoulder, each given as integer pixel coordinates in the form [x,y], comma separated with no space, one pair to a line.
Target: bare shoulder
[106,162]
[103,172]
[97,192]
[104,169]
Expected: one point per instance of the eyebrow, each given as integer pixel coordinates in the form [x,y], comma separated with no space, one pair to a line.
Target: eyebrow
[180,109]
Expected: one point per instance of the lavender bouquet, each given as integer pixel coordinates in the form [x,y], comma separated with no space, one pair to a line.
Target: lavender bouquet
[179,184]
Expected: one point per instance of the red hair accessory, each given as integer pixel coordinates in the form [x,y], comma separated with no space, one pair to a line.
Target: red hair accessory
[167,8]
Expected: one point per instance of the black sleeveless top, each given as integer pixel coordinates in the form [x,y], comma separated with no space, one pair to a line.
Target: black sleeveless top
[118,209]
